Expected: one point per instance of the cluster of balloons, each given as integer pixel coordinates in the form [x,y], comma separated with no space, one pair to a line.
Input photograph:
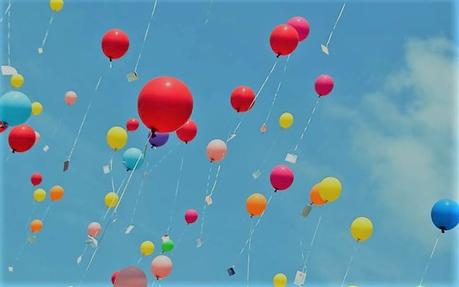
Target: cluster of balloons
[326,191]
[285,37]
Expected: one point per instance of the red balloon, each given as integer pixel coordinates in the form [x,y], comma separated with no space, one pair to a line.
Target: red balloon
[132,125]
[187,132]
[324,85]
[242,98]
[115,44]
[21,138]
[36,178]
[284,39]
[114,275]
[164,104]
[3,126]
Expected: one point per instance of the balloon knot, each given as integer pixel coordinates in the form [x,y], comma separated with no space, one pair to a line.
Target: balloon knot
[13,151]
[275,190]
[442,230]
[278,55]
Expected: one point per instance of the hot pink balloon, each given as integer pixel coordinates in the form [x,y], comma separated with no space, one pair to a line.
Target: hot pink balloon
[301,25]
[131,277]
[216,150]
[324,85]
[94,229]
[70,98]
[191,216]
[281,177]
[161,267]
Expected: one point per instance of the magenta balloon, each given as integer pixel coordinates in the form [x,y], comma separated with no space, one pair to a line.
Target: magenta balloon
[161,267]
[216,150]
[324,85]
[301,25]
[131,277]
[94,229]
[191,216]
[281,177]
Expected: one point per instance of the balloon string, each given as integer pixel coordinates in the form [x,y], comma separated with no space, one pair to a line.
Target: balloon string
[177,188]
[248,254]
[46,212]
[307,124]
[111,172]
[5,14]
[145,36]
[82,253]
[205,203]
[334,26]
[139,260]
[305,259]
[9,33]
[432,253]
[139,195]
[209,8]
[43,42]
[117,192]
[269,152]
[215,181]
[348,269]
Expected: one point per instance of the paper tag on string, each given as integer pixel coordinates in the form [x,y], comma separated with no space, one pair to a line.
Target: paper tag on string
[79,258]
[165,238]
[106,169]
[324,49]
[264,128]
[40,51]
[132,76]
[306,210]
[209,200]
[256,174]
[129,229]
[300,277]
[9,71]
[66,165]
[199,243]
[291,158]
[231,271]
[46,148]
[10,269]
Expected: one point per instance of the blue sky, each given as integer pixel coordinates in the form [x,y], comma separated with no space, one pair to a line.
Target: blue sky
[386,132]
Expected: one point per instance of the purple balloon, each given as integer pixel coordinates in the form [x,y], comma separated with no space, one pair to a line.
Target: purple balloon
[158,139]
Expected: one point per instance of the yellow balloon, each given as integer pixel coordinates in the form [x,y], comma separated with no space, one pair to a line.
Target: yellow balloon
[361,228]
[286,120]
[39,195]
[117,138]
[111,199]
[56,5]
[280,280]
[37,108]
[147,248]
[330,189]
[17,81]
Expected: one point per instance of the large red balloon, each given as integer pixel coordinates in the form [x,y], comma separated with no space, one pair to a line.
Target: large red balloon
[36,178]
[115,44]
[21,138]
[165,104]
[242,98]
[114,275]
[187,132]
[132,125]
[284,39]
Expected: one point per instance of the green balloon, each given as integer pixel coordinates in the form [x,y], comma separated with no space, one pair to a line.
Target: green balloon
[167,245]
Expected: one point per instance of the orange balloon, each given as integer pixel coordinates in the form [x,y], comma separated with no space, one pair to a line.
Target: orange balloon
[56,193]
[256,204]
[36,225]
[315,196]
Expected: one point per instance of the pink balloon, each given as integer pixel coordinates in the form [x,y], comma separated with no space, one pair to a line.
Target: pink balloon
[70,98]
[301,25]
[161,267]
[324,85]
[191,216]
[131,277]
[216,150]
[94,229]
[281,177]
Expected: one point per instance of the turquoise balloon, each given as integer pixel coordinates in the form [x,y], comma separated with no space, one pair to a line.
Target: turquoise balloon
[130,158]
[15,108]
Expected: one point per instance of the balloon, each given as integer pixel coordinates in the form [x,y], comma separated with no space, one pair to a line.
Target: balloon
[132,158]
[280,280]
[281,177]
[161,267]
[242,99]
[361,228]
[36,225]
[114,275]
[286,120]
[187,132]
[256,204]
[147,248]
[301,26]
[111,199]
[15,108]
[158,139]
[56,193]
[56,5]
[165,104]
[39,195]
[216,150]
[445,214]
[21,138]
[17,81]
[115,44]
[314,196]
[191,216]
[324,85]
[36,178]
[37,108]
[117,138]
[94,229]
[70,98]
[130,277]
[132,124]
[3,126]
[330,189]
[167,245]
[284,39]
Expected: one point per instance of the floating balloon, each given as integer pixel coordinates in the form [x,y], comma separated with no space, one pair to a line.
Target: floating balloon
[280,280]
[3,126]
[37,108]
[114,275]
[17,81]
[36,226]
[361,229]
[161,267]
[131,277]
[115,44]
[132,125]
[445,214]
[330,189]
[286,120]
[132,158]
[39,195]
[165,104]
[281,177]
[158,139]
[187,132]
[256,204]
[56,5]
[216,150]
[94,229]
[314,196]
[15,108]
[147,248]
[324,85]
[111,199]
[70,98]
[36,178]
[21,138]
[284,40]
[117,138]
[301,26]
[56,193]
[242,99]
[167,245]
[191,216]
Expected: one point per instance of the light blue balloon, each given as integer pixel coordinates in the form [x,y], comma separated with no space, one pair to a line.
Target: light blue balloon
[130,158]
[15,108]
